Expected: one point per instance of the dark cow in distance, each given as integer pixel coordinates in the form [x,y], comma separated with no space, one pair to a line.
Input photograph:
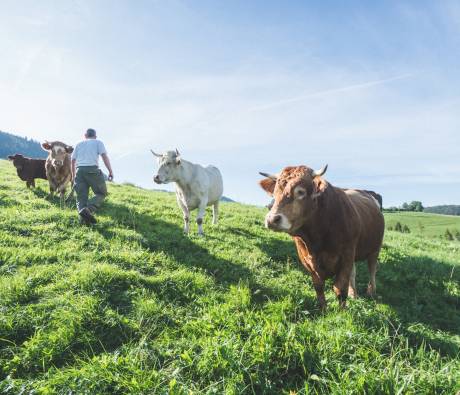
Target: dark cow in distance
[58,167]
[28,169]
[332,227]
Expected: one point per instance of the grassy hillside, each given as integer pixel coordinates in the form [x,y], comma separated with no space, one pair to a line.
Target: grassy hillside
[431,225]
[132,306]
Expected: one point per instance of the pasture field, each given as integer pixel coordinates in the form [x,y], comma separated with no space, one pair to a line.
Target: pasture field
[132,306]
[424,224]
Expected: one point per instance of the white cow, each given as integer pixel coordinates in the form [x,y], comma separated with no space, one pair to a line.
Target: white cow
[196,186]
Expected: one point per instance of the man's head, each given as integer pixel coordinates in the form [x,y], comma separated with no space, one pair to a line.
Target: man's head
[18,160]
[295,192]
[57,152]
[90,134]
[169,164]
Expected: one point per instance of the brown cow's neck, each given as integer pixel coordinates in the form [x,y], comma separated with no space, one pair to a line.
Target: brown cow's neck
[316,228]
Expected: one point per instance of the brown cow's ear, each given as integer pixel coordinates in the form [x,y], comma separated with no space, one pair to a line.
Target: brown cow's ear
[268,185]
[10,157]
[46,146]
[68,149]
[319,186]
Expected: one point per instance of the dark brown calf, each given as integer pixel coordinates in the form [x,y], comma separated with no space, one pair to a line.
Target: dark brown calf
[28,169]
[331,227]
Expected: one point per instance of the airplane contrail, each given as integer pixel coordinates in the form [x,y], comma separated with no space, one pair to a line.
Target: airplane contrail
[328,92]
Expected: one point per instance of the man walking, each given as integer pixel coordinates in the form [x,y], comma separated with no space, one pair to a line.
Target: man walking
[86,174]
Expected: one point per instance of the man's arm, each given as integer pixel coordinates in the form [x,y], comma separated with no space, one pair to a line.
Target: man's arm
[107,164]
[74,161]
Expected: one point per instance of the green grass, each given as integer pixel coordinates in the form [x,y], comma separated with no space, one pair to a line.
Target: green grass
[425,224]
[132,306]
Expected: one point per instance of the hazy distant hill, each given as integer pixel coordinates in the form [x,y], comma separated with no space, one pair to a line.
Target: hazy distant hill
[447,209]
[227,199]
[11,144]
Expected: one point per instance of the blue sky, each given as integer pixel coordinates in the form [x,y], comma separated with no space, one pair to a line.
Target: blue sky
[371,89]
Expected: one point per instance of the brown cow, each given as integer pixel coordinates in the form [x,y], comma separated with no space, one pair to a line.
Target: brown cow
[331,227]
[58,167]
[28,169]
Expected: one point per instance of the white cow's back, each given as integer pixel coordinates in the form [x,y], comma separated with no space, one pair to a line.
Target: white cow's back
[216,185]
[199,184]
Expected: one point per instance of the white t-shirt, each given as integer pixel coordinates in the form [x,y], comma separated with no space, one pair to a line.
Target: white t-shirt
[86,152]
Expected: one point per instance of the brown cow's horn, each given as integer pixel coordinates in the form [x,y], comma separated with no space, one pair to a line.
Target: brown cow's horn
[271,176]
[155,154]
[320,172]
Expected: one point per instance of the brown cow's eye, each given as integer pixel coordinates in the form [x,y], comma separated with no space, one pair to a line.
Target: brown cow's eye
[300,193]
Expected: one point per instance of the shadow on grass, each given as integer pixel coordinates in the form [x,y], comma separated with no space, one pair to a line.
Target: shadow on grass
[422,291]
[417,288]
[161,236]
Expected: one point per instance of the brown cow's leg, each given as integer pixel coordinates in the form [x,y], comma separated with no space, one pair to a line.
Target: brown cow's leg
[318,283]
[52,189]
[341,283]
[352,293]
[62,197]
[372,265]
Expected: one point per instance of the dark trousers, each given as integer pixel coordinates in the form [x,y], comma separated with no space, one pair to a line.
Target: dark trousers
[90,177]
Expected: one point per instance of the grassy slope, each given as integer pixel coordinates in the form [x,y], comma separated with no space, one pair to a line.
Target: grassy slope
[133,306]
[425,224]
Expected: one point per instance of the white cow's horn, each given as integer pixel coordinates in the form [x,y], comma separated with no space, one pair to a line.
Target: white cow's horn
[155,154]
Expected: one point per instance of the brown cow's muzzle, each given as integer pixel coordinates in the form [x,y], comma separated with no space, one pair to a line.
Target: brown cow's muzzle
[277,222]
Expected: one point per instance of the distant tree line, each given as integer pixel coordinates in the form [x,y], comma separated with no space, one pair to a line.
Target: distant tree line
[415,205]
[11,144]
[448,209]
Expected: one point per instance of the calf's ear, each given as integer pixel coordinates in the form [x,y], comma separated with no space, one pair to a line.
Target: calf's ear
[10,157]
[68,149]
[46,146]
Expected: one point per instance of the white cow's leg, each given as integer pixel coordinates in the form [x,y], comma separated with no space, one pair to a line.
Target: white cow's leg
[186,215]
[200,216]
[215,212]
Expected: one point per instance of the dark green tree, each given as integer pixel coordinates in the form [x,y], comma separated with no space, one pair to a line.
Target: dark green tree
[416,205]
